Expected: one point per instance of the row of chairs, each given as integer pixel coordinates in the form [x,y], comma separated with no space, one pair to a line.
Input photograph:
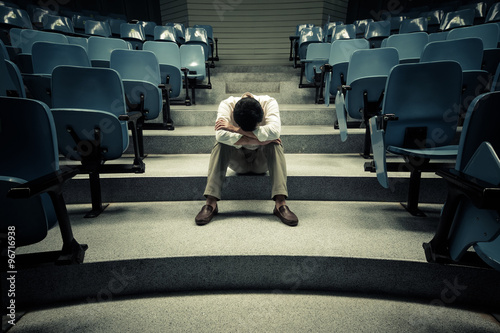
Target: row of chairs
[484,58]
[180,67]
[136,32]
[377,31]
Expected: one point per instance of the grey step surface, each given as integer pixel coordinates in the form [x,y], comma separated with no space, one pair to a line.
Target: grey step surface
[364,249]
[310,177]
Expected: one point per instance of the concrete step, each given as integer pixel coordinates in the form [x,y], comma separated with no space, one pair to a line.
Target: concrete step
[182,177]
[316,139]
[291,115]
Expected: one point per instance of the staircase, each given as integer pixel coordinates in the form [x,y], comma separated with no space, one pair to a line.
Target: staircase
[320,166]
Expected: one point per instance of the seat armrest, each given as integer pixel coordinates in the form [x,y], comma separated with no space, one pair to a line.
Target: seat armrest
[326,68]
[384,119]
[482,194]
[130,116]
[48,183]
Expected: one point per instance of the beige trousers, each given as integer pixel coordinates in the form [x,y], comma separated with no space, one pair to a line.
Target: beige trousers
[269,157]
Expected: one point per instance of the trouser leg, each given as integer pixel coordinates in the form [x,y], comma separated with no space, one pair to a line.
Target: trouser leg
[219,161]
[276,163]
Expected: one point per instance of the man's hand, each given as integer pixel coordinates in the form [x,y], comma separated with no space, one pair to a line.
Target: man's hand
[223,124]
[277,141]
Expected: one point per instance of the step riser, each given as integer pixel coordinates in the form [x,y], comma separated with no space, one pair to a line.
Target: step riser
[253,188]
[293,144]
[288,118]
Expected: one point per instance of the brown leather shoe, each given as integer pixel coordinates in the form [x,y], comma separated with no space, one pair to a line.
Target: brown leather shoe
[206,214]
[286,216]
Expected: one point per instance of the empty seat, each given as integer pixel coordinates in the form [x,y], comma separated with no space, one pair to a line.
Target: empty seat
[294,42]
[82,41]
[456,19]
[468,52]
[27,39]
[179,31]
[344,31]
[97,28]
[133,33]
[169,58]
[212,41]
[193,59]
[11,82]
[363,93]
[114,25]
[91,122]
[409,46]
[164,33]
[360,26]
[335,71]
[79,22]
[434,19]
[140,74]
[480,11]
[418,24]
[377,31]
[316,57]
[198,36]
[31,182]
[395,23]
[149,29]
[418,122]
[45,57]
[14,18]
[100,49]
[470,215]
[493,14]
[489,34]
[58,23]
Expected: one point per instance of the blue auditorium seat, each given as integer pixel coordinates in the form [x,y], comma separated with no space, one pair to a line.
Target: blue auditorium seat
[377,31]
[82,41]
[489,34]
[79,22]
[317,56]
[457,19]
[363,93]
[307,37]
[198,36]
[140,74]
[468,52]
[179,31]
[418,122]
[493,14]
[434,19]
[97,28]
[360,27]
[395,23]
[212,41]
[480,10]
[114,25]
[495,83]
[164,33]
[14,18]
[45,57]
[470,215]
[193,59]
[418,24]
[133,33]
[58,23]
[11,83]
[169,58]
[149,29]
[335,71]
[344,31]
[91,120]
[294,42]
[31,182]
[27,39]
[409,45]
[328,30]
[100,49]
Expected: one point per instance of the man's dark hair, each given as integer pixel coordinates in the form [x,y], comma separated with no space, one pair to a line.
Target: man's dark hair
[248,113]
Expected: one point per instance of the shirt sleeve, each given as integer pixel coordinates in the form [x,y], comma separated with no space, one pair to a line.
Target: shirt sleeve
[271,126]
[223,136]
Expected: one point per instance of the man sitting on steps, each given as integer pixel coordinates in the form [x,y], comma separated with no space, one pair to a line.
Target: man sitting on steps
[247,131]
